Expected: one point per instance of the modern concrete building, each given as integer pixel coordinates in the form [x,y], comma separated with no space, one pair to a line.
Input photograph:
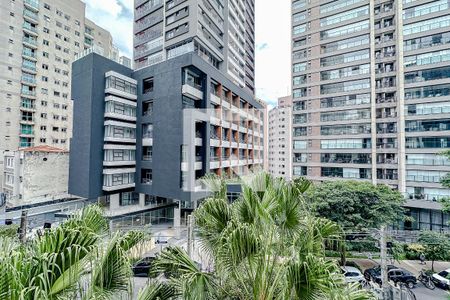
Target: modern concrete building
[221,32]
[280,139]
[163,128]
[38,42]
[371,94]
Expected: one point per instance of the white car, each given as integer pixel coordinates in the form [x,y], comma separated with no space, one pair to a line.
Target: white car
[352,274]
[442,279]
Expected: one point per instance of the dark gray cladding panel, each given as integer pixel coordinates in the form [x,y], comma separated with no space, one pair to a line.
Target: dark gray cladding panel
[88,94]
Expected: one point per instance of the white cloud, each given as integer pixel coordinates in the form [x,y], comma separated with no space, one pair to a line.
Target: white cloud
[273,22]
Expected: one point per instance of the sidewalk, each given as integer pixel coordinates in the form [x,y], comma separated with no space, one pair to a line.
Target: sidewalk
[412,266]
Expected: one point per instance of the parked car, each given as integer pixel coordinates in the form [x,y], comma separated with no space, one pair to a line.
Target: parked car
[142,267]
[442,279]
[370,274]
[399,275]
[352,274]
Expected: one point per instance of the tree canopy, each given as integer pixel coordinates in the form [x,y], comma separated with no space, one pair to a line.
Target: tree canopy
[356,204]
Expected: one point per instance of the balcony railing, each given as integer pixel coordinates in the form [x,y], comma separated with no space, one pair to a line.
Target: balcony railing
[29,67]
[32,3]
[29,80]
[29,41]
[28,92]
[29,53]
[29,27]
[30,14]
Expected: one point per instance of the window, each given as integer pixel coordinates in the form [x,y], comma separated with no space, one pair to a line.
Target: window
[146,176]
[427,25]
[344,30]
[45,54]
[128,198]
[147,85]
[345,16]
[45,42]
[46,6]
[44,128]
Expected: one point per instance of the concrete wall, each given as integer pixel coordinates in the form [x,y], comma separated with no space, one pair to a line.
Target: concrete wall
[44,175]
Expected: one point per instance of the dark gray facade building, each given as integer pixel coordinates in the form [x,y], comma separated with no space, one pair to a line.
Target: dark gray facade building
[221,32]
[143,139]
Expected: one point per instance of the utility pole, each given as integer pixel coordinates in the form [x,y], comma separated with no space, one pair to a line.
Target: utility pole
[189,235]
[23,226]
[383,257]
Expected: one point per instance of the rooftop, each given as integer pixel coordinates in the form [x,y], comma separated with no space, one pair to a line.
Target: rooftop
[43,148]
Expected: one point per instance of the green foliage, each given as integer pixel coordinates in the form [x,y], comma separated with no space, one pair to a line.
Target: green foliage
[445,181]
[436,246]
[356,205]
[8,231]
[72,261]
[267,245]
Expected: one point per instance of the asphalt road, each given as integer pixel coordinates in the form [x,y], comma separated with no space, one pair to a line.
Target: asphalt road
[422,293]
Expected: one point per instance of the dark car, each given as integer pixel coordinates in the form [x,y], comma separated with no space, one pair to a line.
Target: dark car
[142,267]
[399,275]
[370,274]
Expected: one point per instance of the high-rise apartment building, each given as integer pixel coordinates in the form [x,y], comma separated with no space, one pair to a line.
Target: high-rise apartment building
[280,139]
[222,32]
[38,42]
[163,128]
[371,91]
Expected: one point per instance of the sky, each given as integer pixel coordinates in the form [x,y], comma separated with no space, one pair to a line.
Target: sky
[272,40]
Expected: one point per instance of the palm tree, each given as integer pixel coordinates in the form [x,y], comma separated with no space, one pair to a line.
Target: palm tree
[77,260]
[266,245]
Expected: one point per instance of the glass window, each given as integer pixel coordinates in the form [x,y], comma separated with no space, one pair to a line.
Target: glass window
[121,85]
[347,29]
[347,86]
[427,75]
[427,58]
[300,145]
[428,91]
[345,144]
[299,17]
[345,44]
[427,142]
[425,9]
[299,4]
[344,16]
[345,115]
[427,25]
[335,5]
[348,100]
[345,72]
[300,67]
[299,29]
[425,176]
[427,109]
[344,58]
[427,41]
[345,129]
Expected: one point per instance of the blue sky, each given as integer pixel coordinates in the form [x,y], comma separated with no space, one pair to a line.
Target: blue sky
[272,40]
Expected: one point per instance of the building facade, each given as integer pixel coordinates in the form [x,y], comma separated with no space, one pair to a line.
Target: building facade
[165,126]
[35,174]
[371,92]
[280,139]
[39,40]
[222,32]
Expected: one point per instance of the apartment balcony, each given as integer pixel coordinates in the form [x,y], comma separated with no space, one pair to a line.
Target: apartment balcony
[192,90]
[215,99]
[27,121]
[214,163]
[226,104]
[147,140]
[31,4]
[31,81]
[29,29]
[26,133]
[30,16]
[28,93]
[214,142]
[29,55]
[32,43]
[118,163]
[30,108]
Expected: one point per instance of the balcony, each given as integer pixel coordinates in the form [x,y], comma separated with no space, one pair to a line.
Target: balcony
[28,80]
[32,43]
[29,29]
[30,16]
[215,99]
[29,54]
[32,4]
[28,93]
[192,90]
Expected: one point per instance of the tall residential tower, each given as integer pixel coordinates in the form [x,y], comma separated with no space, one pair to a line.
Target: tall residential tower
[38,42]
[371,89]
[220,31]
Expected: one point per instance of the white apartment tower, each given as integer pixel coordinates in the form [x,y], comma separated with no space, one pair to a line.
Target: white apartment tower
[38,42]
[280,136]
